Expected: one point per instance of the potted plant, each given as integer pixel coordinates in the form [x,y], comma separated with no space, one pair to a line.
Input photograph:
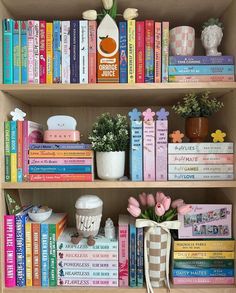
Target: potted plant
[196,108]
[110,139]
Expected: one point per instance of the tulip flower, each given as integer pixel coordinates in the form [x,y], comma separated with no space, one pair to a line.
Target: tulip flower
[143,199]
[159,209]
[133,201]
[134,211]
[150,200]
[166,202]
[160,196]
[130,13]
[177,203]
[184,209]
[107,4]
[89,15]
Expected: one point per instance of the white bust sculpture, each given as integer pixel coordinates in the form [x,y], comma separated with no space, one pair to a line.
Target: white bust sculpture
[211,38]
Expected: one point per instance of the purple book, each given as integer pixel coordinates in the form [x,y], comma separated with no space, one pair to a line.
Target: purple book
[201,60]
[74,48]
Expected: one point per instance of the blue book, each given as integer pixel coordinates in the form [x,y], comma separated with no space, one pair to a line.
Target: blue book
[74,49]
[16,52]
[132,253]
[7,51]
[201,60]
[201,70]
[73,169]
[140,256]
[44,240]
[60,146]
[136,151]
[20,220]
[123,52]
[212,272]
[24,52]
[56,51]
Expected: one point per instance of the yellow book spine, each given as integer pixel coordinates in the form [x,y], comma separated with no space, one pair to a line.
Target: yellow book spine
[60,154]
[204,255]
[28,254]
[49,52]
[204,245]
[131,51]
[13,167]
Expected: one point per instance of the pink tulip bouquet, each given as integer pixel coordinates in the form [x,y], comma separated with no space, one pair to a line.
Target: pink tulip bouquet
[157,208]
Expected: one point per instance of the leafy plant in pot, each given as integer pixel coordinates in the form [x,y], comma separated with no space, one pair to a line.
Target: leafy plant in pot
[110,139]
[196,108]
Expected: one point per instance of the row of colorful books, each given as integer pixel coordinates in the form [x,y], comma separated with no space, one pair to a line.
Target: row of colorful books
[30,249]
[60,162]
[66,52]
[203,262]
[201,69]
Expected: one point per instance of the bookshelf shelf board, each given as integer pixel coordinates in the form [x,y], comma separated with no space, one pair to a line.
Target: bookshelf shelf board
[114,95]
[120,184]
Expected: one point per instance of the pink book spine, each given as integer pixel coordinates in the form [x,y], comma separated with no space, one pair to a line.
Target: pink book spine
[61,177]
[157,53]
[123,256]
[25,149]
[140,52]
[53,162]
[10,250]
[201,159]
[87,282]
[201,78]
[84,254]
[202,280]
[149,150]
[30,38]
[161,149]
[42,51]
[92,56]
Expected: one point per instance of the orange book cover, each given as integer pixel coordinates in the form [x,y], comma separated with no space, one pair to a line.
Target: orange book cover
[19,151]
[60,153]
[60,226]
[36,255]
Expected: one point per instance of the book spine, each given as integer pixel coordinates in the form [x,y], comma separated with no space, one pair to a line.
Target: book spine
[161,149]
[140,257]
[165,51]
[65,51]
[92,51]
[201,159]
[16,52]
[136,151]
[201,169]
[149,51]
[83,282]
[201,70]
[8,51]
[209,272]
[19,151]
[30,37]
[204,255]
[83,49]
[42,51]
[7,148]
[52,256]
[140,52]
[149,150]
[36,273]
[213,280]
[61,225]
[204,245]
[56,162]
[207,263]
[108,246]
[157,53]
[74,51]
[91,274]
[24,52]
[87,255]
[92,264]
[201,60]
[44,240]
[215,176]
[13,145]
[57,51]
[132,256]
[36,51]
[123,231]
[25,150]
[28,254]
[123,52]
[61,177]
[60,153]
[76,169]
[49,52]
[61,146]
[10,250]
[131,50]
[201,78]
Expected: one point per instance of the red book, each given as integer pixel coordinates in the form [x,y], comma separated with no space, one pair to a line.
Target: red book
[157,53]
[140,52]
[42,51]
[92,55]
[60,177]
[19,151]
[149,51]
[36,254]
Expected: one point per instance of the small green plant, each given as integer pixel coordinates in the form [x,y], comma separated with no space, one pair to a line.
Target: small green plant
[212,21]
[197,105]
[110,134]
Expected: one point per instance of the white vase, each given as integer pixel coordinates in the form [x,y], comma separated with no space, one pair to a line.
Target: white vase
[110,165]
[182,41]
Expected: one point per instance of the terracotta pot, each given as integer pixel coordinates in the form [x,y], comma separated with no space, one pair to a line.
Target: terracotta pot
[196,128]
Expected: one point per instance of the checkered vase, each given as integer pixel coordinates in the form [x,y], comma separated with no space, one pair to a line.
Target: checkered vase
[182,41]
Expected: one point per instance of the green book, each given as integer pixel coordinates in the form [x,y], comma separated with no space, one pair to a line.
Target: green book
[203,263]
[7,148]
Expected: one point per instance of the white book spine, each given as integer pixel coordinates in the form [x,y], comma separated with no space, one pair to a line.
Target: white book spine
[192,177]
[36,51]
[201,148]
[83,51]
[201,168]
[65,26]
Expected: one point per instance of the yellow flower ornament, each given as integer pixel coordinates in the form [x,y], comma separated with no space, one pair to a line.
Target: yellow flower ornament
[218,136]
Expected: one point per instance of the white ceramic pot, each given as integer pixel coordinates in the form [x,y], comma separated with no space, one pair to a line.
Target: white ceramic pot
[182,41]
[110,165]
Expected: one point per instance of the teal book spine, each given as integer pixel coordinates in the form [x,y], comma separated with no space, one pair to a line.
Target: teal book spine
[8,51]
[16,53]
[24,52]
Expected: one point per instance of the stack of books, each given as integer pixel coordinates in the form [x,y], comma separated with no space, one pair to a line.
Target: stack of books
[201,68]
[60,162]
[203,262]
[82,265]
[201,161]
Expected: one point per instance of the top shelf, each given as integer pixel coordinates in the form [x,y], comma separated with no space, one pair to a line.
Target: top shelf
[115,95]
